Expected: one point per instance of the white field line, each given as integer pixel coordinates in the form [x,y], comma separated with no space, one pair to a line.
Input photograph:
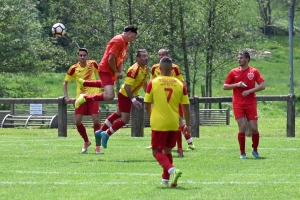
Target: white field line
[124,173]
[151,183]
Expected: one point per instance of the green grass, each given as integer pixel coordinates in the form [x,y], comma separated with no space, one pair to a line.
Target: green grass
[37,164]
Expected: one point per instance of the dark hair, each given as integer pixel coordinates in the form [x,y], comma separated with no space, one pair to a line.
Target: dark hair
[139,52]
[166,60]
[245,54]
[131,28]
[83,49]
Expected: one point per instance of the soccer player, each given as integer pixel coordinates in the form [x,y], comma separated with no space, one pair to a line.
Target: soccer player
[166,93]
[86,69]
[110,67]
[155,72]
[242,80]
[135,79]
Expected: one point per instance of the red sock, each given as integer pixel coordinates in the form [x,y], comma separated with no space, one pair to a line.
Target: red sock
[82,131]
[242,142]
[96,128]
[166,174]
[95,97]
[179,139]
[109,121]
[96,83]
[163,160]
[116,126]
[255,141]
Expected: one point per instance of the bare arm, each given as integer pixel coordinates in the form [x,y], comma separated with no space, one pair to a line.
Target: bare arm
[128,91]
[187,114]
[112,63]
[148,108]
[65,89]
[145,86]
[260,87]
[231,86]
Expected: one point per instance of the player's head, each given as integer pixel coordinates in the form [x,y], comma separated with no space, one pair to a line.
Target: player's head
[165,65]
[130,33]
[142,57]
[82,55]
[243,58]
[162,53]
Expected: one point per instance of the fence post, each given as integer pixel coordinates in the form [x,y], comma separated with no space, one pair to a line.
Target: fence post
[228,116]
[62,117]
[290,126]
[194,107]
[137,120]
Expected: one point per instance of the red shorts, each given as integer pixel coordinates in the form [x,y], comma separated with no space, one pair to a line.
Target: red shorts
[106,78]
[250,112]
[180,110]
[88,108]
[163,139]
[124,103]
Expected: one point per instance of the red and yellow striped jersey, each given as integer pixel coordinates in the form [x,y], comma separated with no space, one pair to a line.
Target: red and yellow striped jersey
[165,93]
[155,72]
[87,73]
[135,77]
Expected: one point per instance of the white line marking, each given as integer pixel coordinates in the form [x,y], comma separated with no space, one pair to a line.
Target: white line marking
[151,183]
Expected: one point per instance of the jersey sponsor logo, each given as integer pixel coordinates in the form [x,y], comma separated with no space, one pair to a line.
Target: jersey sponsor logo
[250,75]
[236,76]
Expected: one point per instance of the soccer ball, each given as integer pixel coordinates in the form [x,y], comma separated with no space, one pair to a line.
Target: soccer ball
[58,29]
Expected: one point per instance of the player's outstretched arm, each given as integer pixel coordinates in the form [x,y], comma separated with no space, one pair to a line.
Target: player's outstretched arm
[65,89]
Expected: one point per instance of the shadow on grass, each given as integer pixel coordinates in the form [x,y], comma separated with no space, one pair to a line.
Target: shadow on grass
[179,188]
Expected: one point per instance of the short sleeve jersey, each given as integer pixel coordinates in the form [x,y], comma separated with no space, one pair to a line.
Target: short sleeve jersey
[135,77]
[118,47]
[250,76]
[155,72]
[87,73]
[165,93]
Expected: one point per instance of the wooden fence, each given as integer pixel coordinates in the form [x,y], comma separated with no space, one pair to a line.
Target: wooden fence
[137,116]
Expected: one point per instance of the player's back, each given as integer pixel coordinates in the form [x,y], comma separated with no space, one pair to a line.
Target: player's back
[167,93]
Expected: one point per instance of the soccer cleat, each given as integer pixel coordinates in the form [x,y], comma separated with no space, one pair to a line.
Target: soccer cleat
[81,81]
[255,154]
[80,100]
[98,150]
[176,173]
[180,153]
[85,146]
[149,147]
[191,147]
[104,137]
[243,156]
[98,137]
[165,184]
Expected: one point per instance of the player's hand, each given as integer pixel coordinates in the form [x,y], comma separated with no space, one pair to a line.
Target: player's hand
[137,104]
[116,74]
[187,129]
[68,100]
[120,76]
[245,93]
[242,84]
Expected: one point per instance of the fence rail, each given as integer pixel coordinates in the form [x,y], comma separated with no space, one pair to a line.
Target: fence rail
[137,116]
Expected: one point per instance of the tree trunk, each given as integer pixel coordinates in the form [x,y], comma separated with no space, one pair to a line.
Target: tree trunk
[183,44]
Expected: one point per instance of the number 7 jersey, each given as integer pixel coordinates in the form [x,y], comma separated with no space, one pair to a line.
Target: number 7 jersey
[165,93]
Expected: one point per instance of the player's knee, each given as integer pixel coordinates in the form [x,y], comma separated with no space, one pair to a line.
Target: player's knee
[78,123]
[110,96]
[125,120]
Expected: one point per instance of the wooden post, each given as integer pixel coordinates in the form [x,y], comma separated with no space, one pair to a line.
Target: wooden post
[137,120]
[290,126]
[195,123]
[62,117]
[228,116]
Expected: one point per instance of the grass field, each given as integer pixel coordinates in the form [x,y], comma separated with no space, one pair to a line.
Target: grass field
[36,164]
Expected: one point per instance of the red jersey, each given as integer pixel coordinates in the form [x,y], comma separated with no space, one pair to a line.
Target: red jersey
[250,76]
[118,47]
